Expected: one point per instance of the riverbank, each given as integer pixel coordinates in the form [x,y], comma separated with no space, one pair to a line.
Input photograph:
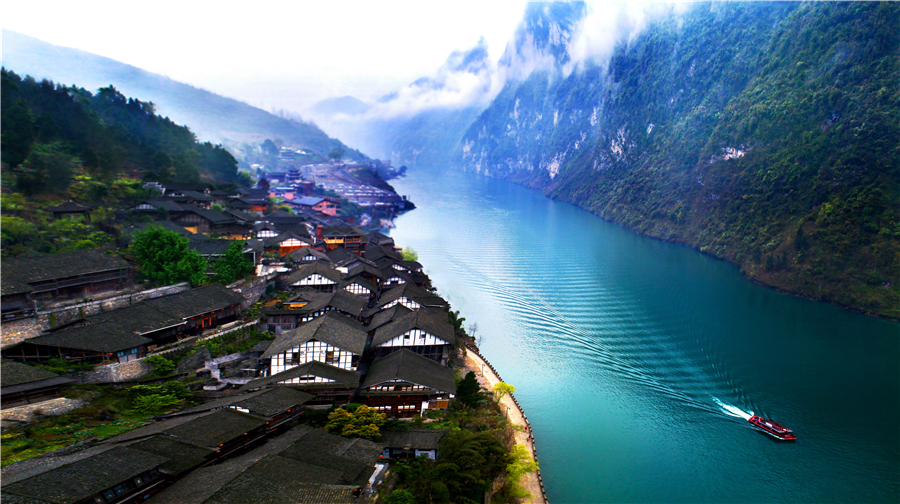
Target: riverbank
[488,377]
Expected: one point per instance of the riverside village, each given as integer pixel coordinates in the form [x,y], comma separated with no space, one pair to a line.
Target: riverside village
[308,360]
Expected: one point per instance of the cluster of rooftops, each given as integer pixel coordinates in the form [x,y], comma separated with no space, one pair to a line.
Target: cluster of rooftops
[359,324]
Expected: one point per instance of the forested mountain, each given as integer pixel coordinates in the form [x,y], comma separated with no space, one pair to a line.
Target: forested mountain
[212,117]
[62,143]
[765,134]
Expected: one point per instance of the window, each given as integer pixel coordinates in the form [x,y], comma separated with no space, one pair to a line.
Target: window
[109,494]
[330,358]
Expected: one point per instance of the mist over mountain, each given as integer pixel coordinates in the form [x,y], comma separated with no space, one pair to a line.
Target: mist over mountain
[210,116]
[421,123]
[761,133]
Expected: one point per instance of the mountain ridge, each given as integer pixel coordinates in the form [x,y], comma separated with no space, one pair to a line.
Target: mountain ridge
[210,116]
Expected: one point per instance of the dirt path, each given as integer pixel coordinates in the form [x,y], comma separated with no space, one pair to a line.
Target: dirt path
[531,481]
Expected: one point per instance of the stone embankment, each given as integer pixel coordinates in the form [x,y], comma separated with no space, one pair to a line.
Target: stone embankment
[488,377]
[53,407]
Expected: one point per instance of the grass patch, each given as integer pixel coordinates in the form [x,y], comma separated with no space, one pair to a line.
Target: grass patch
[110,412]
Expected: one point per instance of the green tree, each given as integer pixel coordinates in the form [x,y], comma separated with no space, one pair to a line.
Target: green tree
[337,154]
[410,254]
[401,497]
[233,265]
[165,257]
[456,321]
[468,391]
[364,422]
[501,389]
[521,463]
[160,365]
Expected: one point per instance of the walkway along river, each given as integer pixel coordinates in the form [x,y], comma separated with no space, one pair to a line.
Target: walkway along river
[488,377]
[635,359]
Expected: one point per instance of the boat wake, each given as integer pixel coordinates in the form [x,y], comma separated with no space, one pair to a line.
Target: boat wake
[733,410]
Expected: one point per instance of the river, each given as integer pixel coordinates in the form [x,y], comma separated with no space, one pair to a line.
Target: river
[637,361]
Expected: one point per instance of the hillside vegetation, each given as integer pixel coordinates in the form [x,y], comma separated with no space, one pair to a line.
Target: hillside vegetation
[762,134]
[62,143]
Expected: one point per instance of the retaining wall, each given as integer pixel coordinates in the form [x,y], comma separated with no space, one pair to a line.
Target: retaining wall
[16,331]
[252,290]
[64,314]
[53,407]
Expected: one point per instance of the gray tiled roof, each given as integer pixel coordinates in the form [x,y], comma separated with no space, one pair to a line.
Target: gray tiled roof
[182,456]
[342,378]
[387,315]
[298,254]
[410,291]
[287,235]
[316,268]
[84,478]
[216,428]
[410,367]
[431,320]
[332,328]
[375,252]
[340,299]
[58,266]
[209,247]
[416,439]
[15,373]
[196,301]
[264,403]
[94,338]
[69,206]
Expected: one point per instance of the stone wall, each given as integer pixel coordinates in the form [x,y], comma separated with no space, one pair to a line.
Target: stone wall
[52,317]
[15,331]
[252,290]
[115,372]
[53,407]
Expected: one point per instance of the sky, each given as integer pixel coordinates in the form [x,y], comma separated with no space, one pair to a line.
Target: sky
[276,55]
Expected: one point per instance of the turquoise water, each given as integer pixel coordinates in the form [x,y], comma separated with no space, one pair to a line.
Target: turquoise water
[636,360]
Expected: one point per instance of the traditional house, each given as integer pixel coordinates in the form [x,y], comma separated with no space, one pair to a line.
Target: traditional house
[380,239]
[411,297]
[306,255]
[68,275]
[286,243]
[317,276]
[403,384]
[23,384]
[104,475]
[264,230]
[128,333]
[386,316]
[360,287]
[158,206]
[316,204]
[16,301]
[426,332]
[305,465]
[200,220]
[326,383]
[332,338]
[346,237]
[310,305]
[279,406]
[410,444]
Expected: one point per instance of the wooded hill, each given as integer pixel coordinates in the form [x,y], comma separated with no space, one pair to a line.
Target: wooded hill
[763,134]
[62,143]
